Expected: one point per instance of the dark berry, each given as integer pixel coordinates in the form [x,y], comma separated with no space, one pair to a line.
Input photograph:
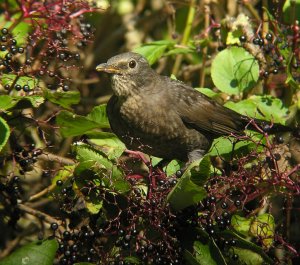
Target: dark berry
[54,226]
[2,48]
[18,87]
[28,61]
[3,38]
[59,182]
[7,87]
[66,235]
[237,203]
[13,42]
[8,56]
[65,88]
[51,74]
[178,173]
[26,88]
[269,36]
[235,257]
[256,41]
[232,242]
[277,156]
[62,56]
[266,74]
[20,50]
[77,56]
[275,71]
[243,38]
[225,215]
[41,72]
[224,205]
[4,31]
[280,139]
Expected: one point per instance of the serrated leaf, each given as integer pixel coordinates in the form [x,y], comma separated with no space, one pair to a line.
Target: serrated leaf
[203,254]
[224,145]
[248,257]
[22,80]
[154,50]
[186,192]
[4,133]
[72,124]
[261,107]
[241,224]
[132,260]
[20,31]
[109,143]
[263,227]
[234,70]
[207,91]
[190,259]
[98,115]
[288,8]
[41,252]
[114,175]
[64,99]
[8,102]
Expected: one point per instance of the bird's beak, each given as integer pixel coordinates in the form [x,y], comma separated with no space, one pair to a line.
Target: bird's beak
[104,67]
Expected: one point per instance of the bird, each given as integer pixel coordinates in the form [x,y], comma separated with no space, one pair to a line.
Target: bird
[164,117]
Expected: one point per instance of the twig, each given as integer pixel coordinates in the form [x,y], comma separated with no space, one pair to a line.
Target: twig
[205,49]
[55,158]
[43,216]
[186,35]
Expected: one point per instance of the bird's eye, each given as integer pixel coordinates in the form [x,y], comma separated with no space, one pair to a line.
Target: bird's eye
[132,64]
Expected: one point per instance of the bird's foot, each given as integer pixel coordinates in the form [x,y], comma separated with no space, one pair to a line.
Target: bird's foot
[138,155]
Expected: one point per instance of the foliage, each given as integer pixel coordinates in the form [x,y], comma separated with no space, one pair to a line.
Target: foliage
[67,180]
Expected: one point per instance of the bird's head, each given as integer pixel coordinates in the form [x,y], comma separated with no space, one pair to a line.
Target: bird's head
[130,73]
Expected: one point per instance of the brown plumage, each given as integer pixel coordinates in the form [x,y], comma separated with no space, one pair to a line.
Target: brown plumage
[164,117]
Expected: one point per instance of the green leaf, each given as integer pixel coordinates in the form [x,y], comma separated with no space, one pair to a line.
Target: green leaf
[132,260]
[184,50]
[84,263]
[234,70]
[207,92]
[224,145]
[73,124]
[8,102]
[152,51]
[241,224]
[22,80]
[291,8]
[20,31]
[41,252]
[4,133]
[114,177]
[64,99]
[190,259]
[248,257]
[98,115]
[263,227]
[109,143]
[200,172]
[261,107]
[203,254]
[172,167]
[186,192]
[245,244]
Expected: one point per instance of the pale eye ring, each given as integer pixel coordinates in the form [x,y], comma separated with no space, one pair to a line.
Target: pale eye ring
[132,64]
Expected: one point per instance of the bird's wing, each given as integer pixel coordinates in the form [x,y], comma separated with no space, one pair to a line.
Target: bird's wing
[203,114]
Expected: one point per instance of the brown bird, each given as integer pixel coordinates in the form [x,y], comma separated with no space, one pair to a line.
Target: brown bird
[164,117]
